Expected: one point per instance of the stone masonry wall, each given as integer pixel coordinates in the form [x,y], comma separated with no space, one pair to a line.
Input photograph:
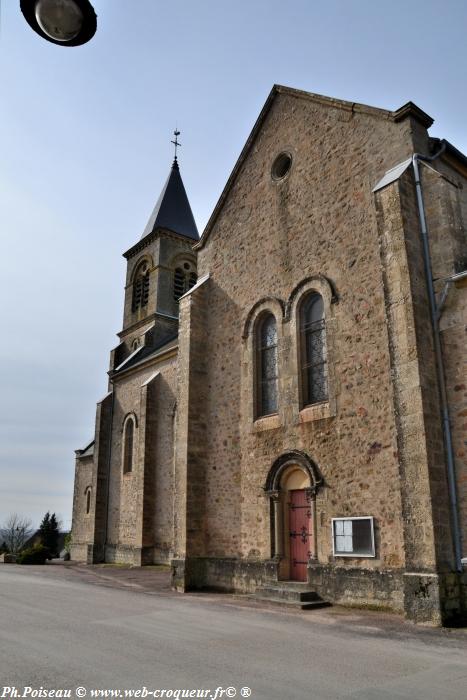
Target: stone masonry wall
[319,221]
[89,528]
[101,470]
[158,417]
[454,335]
[82,527]
[153,460]
[446,204]
[406,372]
[191,434]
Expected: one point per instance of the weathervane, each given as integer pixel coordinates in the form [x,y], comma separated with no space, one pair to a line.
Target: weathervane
[176,143]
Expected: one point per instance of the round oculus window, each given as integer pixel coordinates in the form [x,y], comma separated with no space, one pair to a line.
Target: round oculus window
[281,166]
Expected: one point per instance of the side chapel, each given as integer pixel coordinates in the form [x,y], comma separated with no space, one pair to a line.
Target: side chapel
[287,406]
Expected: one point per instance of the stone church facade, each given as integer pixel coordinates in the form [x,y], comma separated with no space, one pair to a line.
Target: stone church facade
[285,406]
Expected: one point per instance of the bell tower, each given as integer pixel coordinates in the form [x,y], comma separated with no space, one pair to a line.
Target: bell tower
[160,268]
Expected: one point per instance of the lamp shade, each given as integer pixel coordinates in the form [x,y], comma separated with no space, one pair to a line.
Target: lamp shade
[62,22]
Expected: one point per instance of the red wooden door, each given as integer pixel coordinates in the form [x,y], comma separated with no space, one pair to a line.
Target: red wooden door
[301,534]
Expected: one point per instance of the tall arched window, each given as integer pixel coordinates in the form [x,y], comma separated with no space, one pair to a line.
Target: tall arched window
[140,287]
[128,439]
[88,499]
[313,354]
[266,366]
[184,278]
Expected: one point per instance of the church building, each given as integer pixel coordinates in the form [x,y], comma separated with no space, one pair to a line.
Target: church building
[287,405]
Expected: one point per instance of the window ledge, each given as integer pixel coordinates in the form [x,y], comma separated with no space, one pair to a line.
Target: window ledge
[266,423]
[316,412]
[353,555]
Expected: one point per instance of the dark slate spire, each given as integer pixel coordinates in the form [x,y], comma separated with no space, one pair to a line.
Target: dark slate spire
[173,209]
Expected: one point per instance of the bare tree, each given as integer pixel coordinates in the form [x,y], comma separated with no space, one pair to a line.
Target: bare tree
[15,532]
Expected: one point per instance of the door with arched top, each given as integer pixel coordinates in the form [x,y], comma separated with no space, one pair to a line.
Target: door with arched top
[300,526]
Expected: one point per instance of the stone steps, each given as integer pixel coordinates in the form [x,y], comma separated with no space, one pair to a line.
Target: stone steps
[293,594]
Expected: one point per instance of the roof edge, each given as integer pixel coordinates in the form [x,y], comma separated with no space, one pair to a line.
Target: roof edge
[392,175]
[334,102]
[80,453]
[196,286]
[450,150]
[244,152]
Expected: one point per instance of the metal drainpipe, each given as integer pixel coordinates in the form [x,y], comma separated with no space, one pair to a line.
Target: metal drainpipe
[439,359]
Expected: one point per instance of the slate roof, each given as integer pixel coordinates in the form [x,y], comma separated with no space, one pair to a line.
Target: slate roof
[172,210]
[145,352]
[392,175]
[87,451]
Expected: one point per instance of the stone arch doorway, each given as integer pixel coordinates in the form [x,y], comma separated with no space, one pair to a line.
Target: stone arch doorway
[291,486]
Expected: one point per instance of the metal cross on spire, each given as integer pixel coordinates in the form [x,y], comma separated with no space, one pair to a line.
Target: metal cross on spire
[176,143]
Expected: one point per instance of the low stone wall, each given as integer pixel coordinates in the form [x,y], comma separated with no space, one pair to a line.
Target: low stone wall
[426,598]
[222,574]
[360,587]
[369,588]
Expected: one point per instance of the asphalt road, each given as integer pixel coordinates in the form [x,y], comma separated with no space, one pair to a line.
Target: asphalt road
[59,631]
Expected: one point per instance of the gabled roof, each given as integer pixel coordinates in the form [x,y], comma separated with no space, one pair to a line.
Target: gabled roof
[409,109]
[145,352]
[172,210]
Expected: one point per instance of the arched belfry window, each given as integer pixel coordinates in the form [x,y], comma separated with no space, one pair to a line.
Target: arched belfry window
[266,366]
[128,442]
[313,355]
[140,287]
[185,278]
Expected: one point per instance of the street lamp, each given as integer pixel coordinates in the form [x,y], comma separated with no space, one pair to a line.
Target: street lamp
[63,22]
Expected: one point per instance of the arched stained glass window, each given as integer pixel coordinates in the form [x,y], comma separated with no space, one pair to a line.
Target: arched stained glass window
[266,366]
[313,350]
[128,439]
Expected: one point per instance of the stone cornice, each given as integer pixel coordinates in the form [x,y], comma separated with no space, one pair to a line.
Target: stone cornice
[411,110]
[141,245]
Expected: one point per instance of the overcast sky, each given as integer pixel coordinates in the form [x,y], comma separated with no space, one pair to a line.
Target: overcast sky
[85,149]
